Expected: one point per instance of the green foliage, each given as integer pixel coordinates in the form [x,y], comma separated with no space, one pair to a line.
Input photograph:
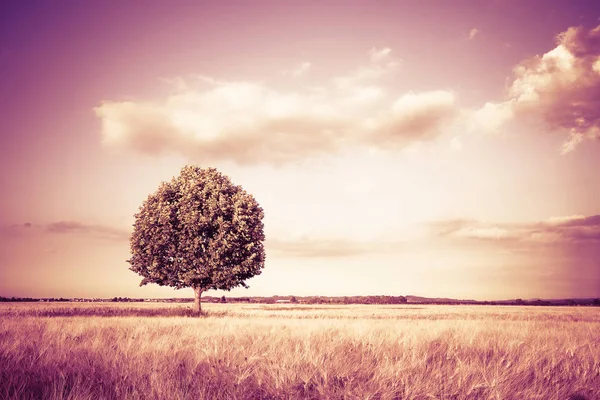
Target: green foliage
[199,230]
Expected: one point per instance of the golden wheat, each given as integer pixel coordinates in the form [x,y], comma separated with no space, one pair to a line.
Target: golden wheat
[251,351]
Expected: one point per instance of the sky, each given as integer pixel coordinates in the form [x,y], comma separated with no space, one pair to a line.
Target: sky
[440,149]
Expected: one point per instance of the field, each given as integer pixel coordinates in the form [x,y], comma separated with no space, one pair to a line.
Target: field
[253,351]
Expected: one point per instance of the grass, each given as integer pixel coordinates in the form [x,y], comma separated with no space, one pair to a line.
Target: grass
[249,351]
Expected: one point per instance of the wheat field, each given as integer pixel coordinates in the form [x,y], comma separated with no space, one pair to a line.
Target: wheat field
[253,351]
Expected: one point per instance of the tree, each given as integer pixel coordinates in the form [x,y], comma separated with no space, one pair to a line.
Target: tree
[200,231]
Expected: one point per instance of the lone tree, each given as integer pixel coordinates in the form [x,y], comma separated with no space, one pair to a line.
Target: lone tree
[199,230]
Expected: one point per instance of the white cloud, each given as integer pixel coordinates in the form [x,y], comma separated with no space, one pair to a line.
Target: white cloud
[414,117]
[242,121]
[473,32]
[561,87]
[491,116]
[363,95]
[564,219]
[456,144]
[378,55]
[300,70]
[565,230]
[490,232]
[79,229]
[247,122]
[381,64]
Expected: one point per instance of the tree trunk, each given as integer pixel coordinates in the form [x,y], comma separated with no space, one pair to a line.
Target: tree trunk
[197,303]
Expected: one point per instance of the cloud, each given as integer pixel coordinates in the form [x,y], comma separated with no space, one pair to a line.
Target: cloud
[67,228]
[78,228]
[363,95]
[575,228]
[485,232]
[491,116]
[378,55]
[456,144]
[414,116]
[575,220]
[207,120]
[240,121]
[567,219]
[473,229]
[327,247]
[300,70]
[562,87]
[473,32]
[381,65]
[556,230]
[17,230]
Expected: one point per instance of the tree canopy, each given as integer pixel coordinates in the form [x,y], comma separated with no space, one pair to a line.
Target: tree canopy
[199,230]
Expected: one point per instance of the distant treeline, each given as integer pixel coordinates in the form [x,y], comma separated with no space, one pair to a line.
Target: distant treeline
[223,299]
[322,300]
[29,299]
